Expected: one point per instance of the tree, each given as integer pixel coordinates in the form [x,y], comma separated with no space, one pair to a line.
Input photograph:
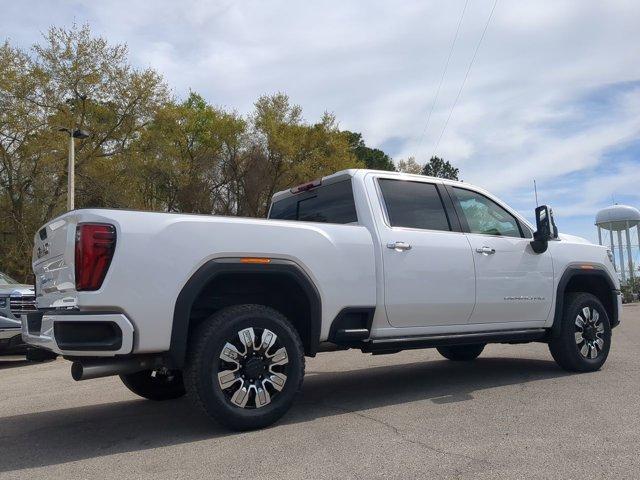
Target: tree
[186,159]
[286,151]
[71,79]
[373,158]
[437,167]
[194,157]
[409,166]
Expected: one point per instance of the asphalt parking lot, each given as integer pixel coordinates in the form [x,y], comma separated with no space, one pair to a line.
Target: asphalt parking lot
[510,414]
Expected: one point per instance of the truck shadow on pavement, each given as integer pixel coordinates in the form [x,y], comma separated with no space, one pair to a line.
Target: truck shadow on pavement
[59,436]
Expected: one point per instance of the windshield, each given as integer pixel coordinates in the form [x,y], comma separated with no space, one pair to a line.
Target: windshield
[7,280]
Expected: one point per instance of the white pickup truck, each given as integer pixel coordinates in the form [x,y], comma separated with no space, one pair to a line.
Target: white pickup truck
[226,309]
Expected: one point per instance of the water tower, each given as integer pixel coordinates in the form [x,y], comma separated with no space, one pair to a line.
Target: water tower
[619,219]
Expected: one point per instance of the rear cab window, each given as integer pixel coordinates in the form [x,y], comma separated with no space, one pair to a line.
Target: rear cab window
[330,203]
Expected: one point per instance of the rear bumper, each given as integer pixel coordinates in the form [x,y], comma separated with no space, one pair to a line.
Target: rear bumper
[79,334]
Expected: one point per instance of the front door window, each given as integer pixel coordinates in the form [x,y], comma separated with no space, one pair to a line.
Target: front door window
[486,217]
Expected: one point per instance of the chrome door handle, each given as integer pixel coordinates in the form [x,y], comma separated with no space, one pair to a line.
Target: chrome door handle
[399,246]
[486,250]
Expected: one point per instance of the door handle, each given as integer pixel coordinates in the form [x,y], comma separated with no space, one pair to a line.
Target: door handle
[399,246]
[486,250]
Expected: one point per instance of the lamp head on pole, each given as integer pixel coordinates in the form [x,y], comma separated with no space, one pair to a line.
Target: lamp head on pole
[76,133]
[81,134]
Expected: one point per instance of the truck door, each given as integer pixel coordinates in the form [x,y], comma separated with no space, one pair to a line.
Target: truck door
[429,277]
[513,283]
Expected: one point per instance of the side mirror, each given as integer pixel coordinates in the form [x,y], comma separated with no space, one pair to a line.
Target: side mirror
[545,229]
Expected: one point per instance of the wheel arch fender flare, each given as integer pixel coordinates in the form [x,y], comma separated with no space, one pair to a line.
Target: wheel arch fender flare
[212,269]
[571,273]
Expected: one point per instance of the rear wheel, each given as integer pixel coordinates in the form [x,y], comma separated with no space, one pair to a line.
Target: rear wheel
[461,353]
[155,384]
[584,339]
[245,366]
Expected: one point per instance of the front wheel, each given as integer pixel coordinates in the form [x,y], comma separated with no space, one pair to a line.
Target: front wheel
[461,353]
[584,339]
[245,366]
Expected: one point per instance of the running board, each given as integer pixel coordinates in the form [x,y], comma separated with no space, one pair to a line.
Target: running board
[392,345]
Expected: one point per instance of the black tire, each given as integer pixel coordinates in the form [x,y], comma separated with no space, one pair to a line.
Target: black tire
[462,353]
[209,341]
[565,348]
[161,386]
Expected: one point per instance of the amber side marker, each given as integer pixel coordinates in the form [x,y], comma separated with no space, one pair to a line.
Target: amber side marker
[255,260]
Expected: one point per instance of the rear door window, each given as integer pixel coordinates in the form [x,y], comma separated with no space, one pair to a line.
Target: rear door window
[331,203]
[414,205]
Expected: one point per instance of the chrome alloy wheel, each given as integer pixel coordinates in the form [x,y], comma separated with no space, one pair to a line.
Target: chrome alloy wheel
[589,331]
[253,368]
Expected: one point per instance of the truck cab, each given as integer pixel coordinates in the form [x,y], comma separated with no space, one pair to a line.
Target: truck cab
[450,257]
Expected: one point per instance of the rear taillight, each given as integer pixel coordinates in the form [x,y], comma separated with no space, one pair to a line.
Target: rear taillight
[95,244]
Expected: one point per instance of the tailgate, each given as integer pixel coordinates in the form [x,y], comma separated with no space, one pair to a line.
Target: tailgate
[53,264]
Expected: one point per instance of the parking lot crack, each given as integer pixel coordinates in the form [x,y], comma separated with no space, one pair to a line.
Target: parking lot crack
[406,439]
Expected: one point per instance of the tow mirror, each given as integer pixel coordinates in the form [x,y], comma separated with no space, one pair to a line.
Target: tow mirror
[545,229]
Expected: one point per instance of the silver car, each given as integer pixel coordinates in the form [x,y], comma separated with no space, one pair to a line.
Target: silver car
[16,299]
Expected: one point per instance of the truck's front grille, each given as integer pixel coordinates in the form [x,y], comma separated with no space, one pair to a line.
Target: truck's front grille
[23,304]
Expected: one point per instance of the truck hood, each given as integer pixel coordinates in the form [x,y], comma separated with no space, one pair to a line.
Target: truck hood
[16,289]
[565,237]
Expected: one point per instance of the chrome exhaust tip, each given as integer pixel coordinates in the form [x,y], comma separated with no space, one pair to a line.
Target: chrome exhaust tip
[98,368]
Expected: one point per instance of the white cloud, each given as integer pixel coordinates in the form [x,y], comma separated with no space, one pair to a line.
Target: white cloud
[529,109]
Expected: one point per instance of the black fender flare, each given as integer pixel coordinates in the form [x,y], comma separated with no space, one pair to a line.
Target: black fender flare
[571,272]
[214,268]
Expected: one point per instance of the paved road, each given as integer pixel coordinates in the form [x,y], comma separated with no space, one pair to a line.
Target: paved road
[510,414]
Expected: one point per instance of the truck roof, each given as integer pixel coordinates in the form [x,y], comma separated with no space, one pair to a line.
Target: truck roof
[361,172]
[352,172]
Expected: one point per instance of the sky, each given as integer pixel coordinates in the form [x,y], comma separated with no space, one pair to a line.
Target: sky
[552,91]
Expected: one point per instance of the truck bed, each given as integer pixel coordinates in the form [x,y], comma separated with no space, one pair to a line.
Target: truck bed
[156,253]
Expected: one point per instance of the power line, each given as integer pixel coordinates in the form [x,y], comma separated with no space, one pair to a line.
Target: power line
[444,72]
[466,76]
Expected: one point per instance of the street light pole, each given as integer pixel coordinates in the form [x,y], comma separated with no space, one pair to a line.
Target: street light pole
[71,166]
[73,133]
[71,173]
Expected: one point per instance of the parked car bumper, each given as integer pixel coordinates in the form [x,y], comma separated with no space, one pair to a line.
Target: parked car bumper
[79,334]
[6,333]
[10,335]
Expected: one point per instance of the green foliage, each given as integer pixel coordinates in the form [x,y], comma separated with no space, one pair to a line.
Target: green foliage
[182,159]
[630,290]
[437,167]
[372,158]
